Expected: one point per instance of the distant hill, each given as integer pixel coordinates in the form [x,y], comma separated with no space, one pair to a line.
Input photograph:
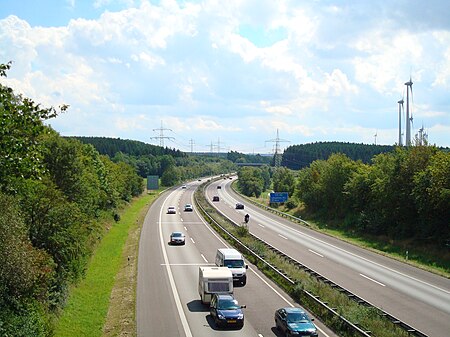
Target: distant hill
[111,146]
[298,156]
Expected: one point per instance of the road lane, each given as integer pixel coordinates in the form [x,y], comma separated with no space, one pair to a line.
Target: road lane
[420,298]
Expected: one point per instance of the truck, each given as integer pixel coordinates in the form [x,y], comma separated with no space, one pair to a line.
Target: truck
[232,259]
[214,280]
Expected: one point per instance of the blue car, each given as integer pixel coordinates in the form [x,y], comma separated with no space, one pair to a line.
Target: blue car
[295,322]
[226,311]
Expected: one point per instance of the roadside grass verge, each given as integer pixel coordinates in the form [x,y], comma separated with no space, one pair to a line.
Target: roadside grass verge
[89,301]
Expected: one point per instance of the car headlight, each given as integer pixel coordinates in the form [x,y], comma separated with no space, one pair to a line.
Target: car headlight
[240,316]
[220,316]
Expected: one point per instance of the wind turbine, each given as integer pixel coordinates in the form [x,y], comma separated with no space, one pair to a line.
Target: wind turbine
[400,109]
[375,136]
[408,119]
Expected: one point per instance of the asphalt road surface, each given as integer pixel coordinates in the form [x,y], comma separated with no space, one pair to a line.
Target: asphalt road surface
[417,297]
[168,303]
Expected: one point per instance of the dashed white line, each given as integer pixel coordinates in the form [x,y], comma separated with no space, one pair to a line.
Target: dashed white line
[204,258]
[371,279]
[185,228]
[315,252]
[181,219]
[281,236]
[192,240]
[261,225]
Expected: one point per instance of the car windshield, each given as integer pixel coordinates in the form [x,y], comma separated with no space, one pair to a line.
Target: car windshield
[297,318]
[177,234]
[234,263]
[188,206]
[228,305]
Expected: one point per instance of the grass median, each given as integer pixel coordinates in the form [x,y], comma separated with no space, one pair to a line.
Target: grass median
[103,303]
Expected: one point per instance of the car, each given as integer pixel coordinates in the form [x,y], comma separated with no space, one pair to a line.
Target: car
[188,208]
[183,186]
[239,206]
[216,198]
[177,238]
[294,322]
[226,311]
[219,187]
[171,210]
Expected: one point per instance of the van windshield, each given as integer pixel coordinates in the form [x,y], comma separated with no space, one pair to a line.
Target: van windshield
[234,263]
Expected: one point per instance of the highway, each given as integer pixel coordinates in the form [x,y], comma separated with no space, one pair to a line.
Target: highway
[168,303]
[417,297]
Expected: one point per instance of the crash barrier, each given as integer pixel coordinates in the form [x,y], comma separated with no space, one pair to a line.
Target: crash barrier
[411,330]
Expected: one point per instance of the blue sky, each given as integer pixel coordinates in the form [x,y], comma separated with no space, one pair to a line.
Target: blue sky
[227,75]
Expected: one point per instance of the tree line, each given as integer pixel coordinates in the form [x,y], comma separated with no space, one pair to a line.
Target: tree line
[400,194]
[55,196]
[296,157]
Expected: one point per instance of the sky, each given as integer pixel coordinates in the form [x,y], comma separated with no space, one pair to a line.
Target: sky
[233,75]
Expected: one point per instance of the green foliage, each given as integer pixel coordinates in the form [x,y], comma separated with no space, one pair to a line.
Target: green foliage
[26,274]
[54,192]
[20,127]
[403,194]
[299,156]
[250,181]
[283,180]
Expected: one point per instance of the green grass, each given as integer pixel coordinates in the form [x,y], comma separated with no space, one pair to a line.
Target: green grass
[88,302]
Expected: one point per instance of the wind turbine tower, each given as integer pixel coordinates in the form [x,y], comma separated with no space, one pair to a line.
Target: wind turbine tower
[408,119]
[400,108]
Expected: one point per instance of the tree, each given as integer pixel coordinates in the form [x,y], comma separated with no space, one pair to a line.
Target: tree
[283,180]
[21,124]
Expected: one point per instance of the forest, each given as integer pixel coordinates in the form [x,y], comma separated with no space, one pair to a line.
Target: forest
[56,195]
[296,157]
[401,194]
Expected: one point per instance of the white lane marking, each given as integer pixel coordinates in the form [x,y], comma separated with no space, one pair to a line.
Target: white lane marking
[185,228]
[204,258]
[371,279]
[315,252]
[192,240]
[282,297]
[259,335]
[188,264]
[176,297]
[181,219]
[261,225]
[281,236]
[353,254]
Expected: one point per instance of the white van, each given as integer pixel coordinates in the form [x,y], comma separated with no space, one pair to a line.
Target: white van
[214,280]
[232,259]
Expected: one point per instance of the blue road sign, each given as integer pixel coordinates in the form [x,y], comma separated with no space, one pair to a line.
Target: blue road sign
[278,196]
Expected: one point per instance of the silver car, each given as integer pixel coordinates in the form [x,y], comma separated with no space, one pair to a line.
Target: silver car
[177,238]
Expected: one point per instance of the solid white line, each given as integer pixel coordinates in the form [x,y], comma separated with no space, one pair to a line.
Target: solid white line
[204,258]
[261,225]
[315,252]
[192,240]
[281,236]
[188,264]
[176,297]
[371,279]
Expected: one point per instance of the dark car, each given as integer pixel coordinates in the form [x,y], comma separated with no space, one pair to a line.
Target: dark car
[226,311]
[216,198]
[239,206]
[219,187]
[177,238]
[294,322]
